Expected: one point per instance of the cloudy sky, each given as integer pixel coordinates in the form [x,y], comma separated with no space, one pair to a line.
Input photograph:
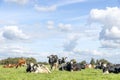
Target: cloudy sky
[77,29]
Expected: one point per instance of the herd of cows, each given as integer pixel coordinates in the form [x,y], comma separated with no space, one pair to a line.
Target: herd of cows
[62,65]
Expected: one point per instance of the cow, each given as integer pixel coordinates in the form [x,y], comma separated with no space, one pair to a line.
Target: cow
[37,68]
[112,69]
[9,66]
[29,67]
[67,66]
[21,62]
[61,61]
[90,66]
[100,65]
[53,61]
[70,66]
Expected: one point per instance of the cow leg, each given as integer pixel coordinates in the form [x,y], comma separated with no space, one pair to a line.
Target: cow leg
[17,65]
[51,67]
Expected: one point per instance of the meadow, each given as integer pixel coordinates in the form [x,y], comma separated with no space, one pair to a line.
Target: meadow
[87,74]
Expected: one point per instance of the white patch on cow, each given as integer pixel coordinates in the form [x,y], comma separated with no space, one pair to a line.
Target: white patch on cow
[31,64]
[104,65]
[106,72]
[90,66]
[41,69]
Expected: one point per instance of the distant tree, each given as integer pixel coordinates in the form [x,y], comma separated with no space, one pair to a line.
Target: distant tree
[33,60]
[92,61]
[74,60]
[45,63]
[101,61]
[104,61]
[83,62]
[15,60]
[97,62]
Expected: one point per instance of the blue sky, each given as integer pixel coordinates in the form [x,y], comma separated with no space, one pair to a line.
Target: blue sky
[79,29]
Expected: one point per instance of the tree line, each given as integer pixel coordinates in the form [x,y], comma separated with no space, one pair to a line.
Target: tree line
[31,59]
[15,60]
[95,62]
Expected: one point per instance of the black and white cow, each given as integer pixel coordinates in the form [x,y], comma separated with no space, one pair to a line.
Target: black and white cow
[29,67]
[37,68]
[100,65]
[112,69]
[61,61]
[53,61]
[70,66]
[67,66]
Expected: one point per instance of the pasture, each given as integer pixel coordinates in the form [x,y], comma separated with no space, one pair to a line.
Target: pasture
[87,74]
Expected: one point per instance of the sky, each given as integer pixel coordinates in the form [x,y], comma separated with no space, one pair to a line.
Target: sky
[77,29]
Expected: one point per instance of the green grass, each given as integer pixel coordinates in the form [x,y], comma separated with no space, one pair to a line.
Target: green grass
[87,74]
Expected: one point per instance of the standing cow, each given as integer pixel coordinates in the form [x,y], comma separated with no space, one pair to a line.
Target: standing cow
[53,61]
[21,62]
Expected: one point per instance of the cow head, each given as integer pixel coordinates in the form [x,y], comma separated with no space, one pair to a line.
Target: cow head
[62,60]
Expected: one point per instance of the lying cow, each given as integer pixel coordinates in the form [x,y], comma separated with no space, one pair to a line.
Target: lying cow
[53,61]
[111,69]
[69,66]
[100,65]
[9,66]
[37,68]
[90,66]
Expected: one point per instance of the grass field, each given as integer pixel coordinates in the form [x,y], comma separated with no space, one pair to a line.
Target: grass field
[87,74]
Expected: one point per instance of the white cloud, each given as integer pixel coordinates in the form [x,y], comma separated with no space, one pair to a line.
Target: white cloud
[67,2]
[45,8]
[59,27]
[109,18]
[13,33]
[54,7]
[71,42]
[112,33]
[64,27]
[15,50]
[90,52]
[18,1]
[50,25]
[110,43]
[97,54]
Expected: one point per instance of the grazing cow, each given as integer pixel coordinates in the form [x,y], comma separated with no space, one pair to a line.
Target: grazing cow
[21,62]
[37,68]
[53,61]
[111,69]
